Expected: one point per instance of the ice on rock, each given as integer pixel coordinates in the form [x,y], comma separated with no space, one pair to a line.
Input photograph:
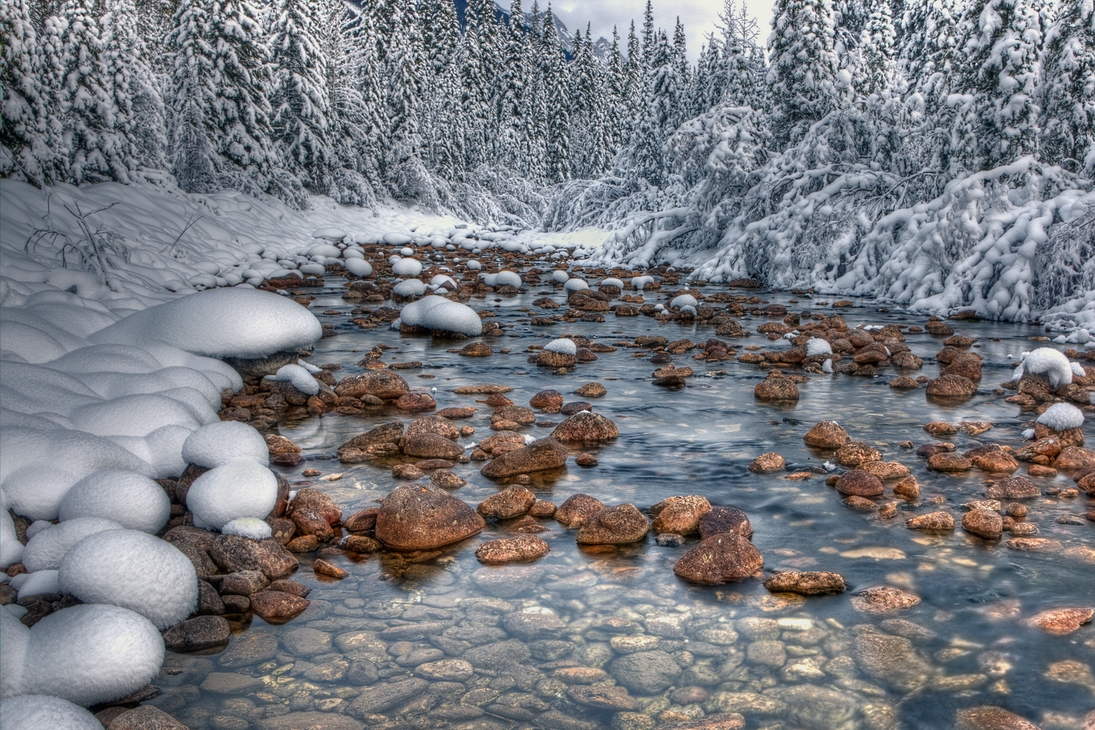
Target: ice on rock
[240,488]
[91,653]
[560,276]
[132,500]
[47,549]
[42,712]
[141,414]
[358,267]
[249,527]
[816,346]
[684,300]
[236,322]
[407,267]
[1062,417]
[641,282]
[133,570]
[33,584]
[410,288]
[1046,361]
[438,313]
[562,346]
[220,443]
[575,284]
[300,378]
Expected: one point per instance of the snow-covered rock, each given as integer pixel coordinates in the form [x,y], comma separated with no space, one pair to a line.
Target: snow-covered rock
[560,276]
[141,414]
[91,653]
[816,346]
[397,239]
[473,265]
[575,284]
[47,549]
[502,278]
[443,281]
[219,443]
[612,281]
[438,313]
[358,267]
[249,527]
[1062,417]
[237,322]
[14,640]
[240,488]
[407,267]
[641,282]
[33,584]
[562,346]
[1045,361]
[132,500]
[133,570]
[300,378]
[42,712]
[410,288]
[684,300]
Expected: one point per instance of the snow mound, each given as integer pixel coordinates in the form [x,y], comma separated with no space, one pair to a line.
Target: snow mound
[33,584]
[300,378]
[684,300]
[575,284]
[502,278]
[444,281]
[42,712]
[438,313]
[16,638]
[406,251]
[1062,417]
[407,267]
[11,550]
[397,239]
[410,288]
[219,443]
[689,310]
[133,570]
[91,653]
[143,413]
[560,276]
[816,346]
[562,346]
[249,527]
[237,322]
[358,267]
[641,282]
[1078,370]
[611,281]
[132,500]
[240,488]
[473,265]
[330,233]
[1045,361]
[47,549]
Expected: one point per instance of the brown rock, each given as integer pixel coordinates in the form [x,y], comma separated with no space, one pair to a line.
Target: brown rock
[619,525]
[513,501]
[447,480]
[983,523]
[145,717]
[586,428]
[767,463]
[603,697]
[382,384]
[1013,488]
[549,359]
[540,455]
[415,402]
[679,515]
[906,361]
[233,553]
[1068,437]
[302,544]
[548,401]
[360,544]
[476,349]
[316,501]
[520,549]
[776,387]
[998,461]
[951,386]
[728,721]
[719,559]
[991,718]
[362,520]
[278,444]
[542,508]
[516,414]
[407,471]
[277,607]
[577,510]
[904,382]
[569,409]
[328,570]
[932,522]
[1062,621]
[907,488]
[435,424]
[940,428]
[194,543]
[806,583]
[966,365]
[502,443]
[420,516]
[1048,447]
[722,520]
[1074,457]
[586,460]
[291,587]
[859,483]
[886,469]
[856,453]
[883,599]
[949,462]
[385,434]
[430,446]
[203,632]
[482,389]
[826,435]
[591,390]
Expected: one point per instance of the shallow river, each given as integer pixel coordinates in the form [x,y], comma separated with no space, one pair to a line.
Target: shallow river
[355,657]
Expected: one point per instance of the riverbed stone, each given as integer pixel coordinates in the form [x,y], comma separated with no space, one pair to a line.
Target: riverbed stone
[951,387]
[234,553]
[859,483]
[1062,621]
[426,445]
[497,654]
[995,461]
[577,509]
[884,599]
[230,683]
[984,523]
[619,525]
[446,670]
[826,435]
[679,515]
[385,437]
[767,463]
[949,462]
[719,520]
[586,428]
[520,549]
[383,384]
[723,721]
[591,390]
[603,697]
[311,721]
[250,648]
[387,696]
[1017,487]
[277,607]
[421,516]
[988,717]
[932,522]
[776,387]
[433,424]
[541,455]
[513,501]
[548,401]
[856,453]
[202,632]
[719,559]
[507,581]
[645,672]
[891,661]
[807,583]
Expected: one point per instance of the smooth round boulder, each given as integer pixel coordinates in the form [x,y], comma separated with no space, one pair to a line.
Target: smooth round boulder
[719,559]
[520,549]
[541,455]
[426,445]
[548,401]
[646,672]
[826,435]
[619,525]
[776,388]
[951,386]
[513,501]
[1013,488]
[421,516]
[679,515]
[577,509]
[983,523]
[586,427]
[859,483]
[721,520]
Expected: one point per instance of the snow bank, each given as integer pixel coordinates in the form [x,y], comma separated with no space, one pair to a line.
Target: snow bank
[296,375]
[1045,361]
[1062,417]
[250,527]
[240,488]
[47,549]
[562,346]
[239,322]
[132,500]
[133,570]
[438,313]
[41,712]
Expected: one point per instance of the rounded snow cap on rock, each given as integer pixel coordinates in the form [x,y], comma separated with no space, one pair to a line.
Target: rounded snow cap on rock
[407,267]
[45,550]
[92,653]
[1046,361]
[575,284]
[132,500]
[1062,417]
[249,527]
[410,288]
[641,282]
[816,346]
[358,267]
[438,313]
[42,712]
[560,276]
[219,443]
[684,300]
[473,265]
[503,278]
[240,488]
[299,377]
[562,346]
[611,281]
[133,570]
[16,639]
[325,249]
[233,322]
[329,233]
[397,239]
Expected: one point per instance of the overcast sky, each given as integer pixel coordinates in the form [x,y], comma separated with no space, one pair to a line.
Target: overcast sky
[700,17]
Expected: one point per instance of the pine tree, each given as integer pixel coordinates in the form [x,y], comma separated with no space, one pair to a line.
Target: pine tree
[193,160]
[403,70]
[351,179]
[474,95]
[366,70]
[616,92]
[926,58]
[802,76]
[557,156]
[680,53]
[512,139]
[634,80]
[535,106]
[589,134]
[742,58]
[877,72]
[24,144]
[649,39]
[1068,92]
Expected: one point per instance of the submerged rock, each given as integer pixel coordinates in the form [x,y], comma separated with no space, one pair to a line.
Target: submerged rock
[540,455]
[991,718]
[719,559]
[807,583]
[421,516]
[1062,620]
[520,549]
[619,525]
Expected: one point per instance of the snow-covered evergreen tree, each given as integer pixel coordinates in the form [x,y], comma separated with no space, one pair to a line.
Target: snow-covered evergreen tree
[407,174]
[802,74]
[553,68]
[877,70]
[742,70]
[24,110]
[1068,91]
[512,138]
[193,159]
[364,34]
